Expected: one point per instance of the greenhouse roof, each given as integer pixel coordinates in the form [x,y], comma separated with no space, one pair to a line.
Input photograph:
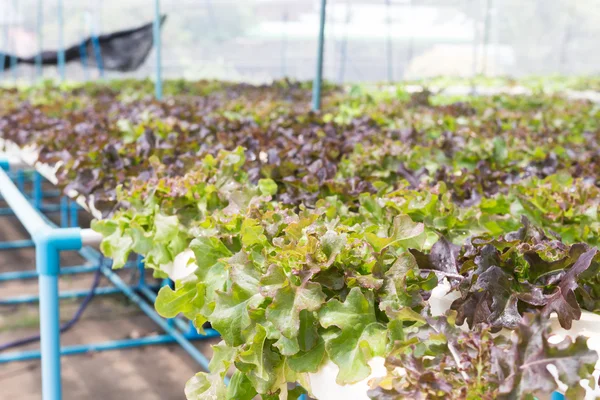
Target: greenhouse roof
[369,22]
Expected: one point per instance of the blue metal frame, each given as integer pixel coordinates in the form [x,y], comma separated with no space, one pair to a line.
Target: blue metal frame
[316,94]
[19,177]
[49,240]
[39,23]
[61,44]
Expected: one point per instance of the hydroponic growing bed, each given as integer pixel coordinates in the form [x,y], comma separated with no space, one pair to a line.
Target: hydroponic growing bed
[394,245]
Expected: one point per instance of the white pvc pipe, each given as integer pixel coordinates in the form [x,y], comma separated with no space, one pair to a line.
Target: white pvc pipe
[90,237]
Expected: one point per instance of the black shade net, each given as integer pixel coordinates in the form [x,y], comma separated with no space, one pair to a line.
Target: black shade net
[122,51]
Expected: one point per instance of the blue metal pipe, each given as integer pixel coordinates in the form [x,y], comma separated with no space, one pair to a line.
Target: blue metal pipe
[158,89]
[61,45]
[50,336]
[64,212]
[17,244]
[47,208]
[20,181]
[13,56]
[149,311]
[97,52]
[93,347]
[73,214]
[37,193]
[84,60]
[77,269]
[70,294]
[316,94]
[40,20]
[31,220]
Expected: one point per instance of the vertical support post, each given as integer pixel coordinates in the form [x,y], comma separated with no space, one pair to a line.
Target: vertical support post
[39,23]
[486,36]
[21,181]
[36,194]
[95,42]
[140,266]
[13,55]
[158,89]
[411,42]
[83,47]
[74,214]
[286,18]
[98,55]
[47,266]
[476,3]
[61,45]
[388,42]
[344,46]
[64,212]
[316,95]
[48,244]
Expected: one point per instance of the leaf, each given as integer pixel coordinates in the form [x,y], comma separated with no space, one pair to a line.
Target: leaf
[563,301]
[405,229]
[187,299]
[208,250]
[290,300]
[166,227]
[205,387]
[240,388]
[260,364]
[360,338]
[309,360]
[231,315]
[442,257]
[332,244]
[439,361]
[252,232]
[222,358]
[531,354]
[118,247]
[267,187]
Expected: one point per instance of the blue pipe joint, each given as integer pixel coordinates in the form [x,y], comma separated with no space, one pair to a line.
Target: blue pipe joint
[49,243]
[4,164]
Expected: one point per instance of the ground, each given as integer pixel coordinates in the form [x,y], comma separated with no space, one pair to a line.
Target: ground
[149,373]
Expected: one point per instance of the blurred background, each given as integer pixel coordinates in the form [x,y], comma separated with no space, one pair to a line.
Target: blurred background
[366,40]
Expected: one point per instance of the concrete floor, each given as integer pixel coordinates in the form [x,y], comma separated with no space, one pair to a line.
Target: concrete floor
[154,372]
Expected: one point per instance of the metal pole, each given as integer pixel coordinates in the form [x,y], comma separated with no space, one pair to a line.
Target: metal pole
[13,56]
[95,42]
[486,36]
[475,44]
[344,45]
[49,332]
[316,95]
[411,43]
[158,89]
[286,18]
[85,29]
[388,42]
[61,45]
[40,20]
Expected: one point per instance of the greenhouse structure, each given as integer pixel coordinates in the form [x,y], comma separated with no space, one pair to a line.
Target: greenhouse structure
[299,199]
